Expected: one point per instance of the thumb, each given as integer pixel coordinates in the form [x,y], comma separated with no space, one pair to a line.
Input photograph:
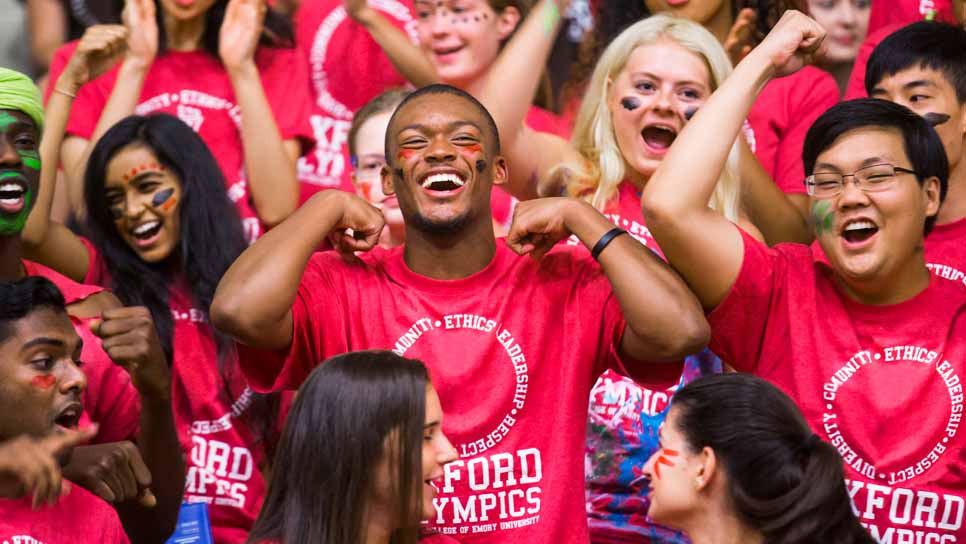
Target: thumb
[94,324]
[58,442]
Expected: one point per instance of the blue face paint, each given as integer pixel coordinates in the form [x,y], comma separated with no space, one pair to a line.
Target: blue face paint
[630,103]
[689,113]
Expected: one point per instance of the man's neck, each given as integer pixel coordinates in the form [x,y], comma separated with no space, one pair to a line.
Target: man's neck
[954,206]
[453,255]
[11,268]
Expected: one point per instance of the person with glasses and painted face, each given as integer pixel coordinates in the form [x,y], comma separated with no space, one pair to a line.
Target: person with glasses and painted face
[870,345]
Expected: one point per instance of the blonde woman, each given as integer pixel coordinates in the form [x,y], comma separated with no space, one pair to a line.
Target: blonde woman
[647,84]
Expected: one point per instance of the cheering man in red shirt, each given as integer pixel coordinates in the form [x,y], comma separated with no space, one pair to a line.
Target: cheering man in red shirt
[868,343]
[513,343]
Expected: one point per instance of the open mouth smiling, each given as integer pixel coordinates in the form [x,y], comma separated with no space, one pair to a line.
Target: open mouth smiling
[859,230]
[443,183]
[659,137]
[12,196]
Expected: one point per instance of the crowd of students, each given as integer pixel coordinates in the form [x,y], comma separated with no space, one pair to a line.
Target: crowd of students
[368,272]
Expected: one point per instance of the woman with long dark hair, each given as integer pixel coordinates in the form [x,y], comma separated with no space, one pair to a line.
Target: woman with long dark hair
[738,464]
[161,234]
[228,69]
[358,456]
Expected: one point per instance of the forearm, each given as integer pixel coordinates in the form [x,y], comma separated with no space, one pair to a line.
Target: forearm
[686,179]
[161,450]
[272,178]
[664,319]
[768,207]
[254,298]
[122,102]
[405,56]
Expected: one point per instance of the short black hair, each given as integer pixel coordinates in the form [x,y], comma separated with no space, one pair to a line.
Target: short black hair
[925,44]
[441,88]
[20,298]
[922,144]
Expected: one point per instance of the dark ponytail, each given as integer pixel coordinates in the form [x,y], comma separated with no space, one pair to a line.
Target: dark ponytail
[783,480]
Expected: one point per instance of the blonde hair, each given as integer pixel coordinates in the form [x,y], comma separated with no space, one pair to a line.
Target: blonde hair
[605,168]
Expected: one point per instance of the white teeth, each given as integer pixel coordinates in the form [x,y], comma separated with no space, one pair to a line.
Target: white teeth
[141,229]
[442,178]
[9,201]
[859,225]
[11,187]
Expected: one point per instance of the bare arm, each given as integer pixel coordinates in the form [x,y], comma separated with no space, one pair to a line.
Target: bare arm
[771,210]
[47,28]
[507,91]
[664,320]
[270,168]
[254,299]
[46,241]
[406,57]
[140,48]
[701,244]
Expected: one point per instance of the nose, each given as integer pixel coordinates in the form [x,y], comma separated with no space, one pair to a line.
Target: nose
[445,452]
[8,154]
[134,206]
[846,13]
[664,101]
[440,150]
[73,379]
[439,23]
[851,195]
[648,468]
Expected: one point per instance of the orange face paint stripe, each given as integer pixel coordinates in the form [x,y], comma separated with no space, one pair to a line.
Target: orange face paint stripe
[43,382]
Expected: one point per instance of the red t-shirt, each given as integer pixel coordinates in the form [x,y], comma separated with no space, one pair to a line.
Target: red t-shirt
[79,516]
[624,211]
[881,383]
[110,399]
[222,456]
[511,349]
[780,118]
[195,87]
[946,251]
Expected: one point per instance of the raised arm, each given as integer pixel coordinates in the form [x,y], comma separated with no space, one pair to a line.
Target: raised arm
[771,210]
[139,52]
[254,299]
[702,245]
[269,161]
[407,58]
[47,241]
[507,91]
[664,320]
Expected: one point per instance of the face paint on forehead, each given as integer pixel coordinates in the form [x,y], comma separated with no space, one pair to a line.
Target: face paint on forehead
[146,167]
[43,382]
[935,119]
[6,119]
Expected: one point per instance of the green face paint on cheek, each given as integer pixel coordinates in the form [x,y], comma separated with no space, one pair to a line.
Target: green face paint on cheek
[30,159]
[823,216]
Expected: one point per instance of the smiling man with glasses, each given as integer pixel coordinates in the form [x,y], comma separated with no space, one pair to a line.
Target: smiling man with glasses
[868,343]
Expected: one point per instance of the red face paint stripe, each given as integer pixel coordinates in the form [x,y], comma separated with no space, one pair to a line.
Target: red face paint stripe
[405,154]
[43,382]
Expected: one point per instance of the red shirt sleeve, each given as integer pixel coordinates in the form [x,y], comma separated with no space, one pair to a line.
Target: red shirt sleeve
[285,78]
[314,310]
[738,323]
[97,273]
[812,94]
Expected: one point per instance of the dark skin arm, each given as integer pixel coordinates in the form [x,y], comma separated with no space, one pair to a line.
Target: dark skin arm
[129,338]
[253,302]
[664,320]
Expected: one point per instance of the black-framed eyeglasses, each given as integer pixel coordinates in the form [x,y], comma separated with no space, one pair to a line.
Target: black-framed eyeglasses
[869,179]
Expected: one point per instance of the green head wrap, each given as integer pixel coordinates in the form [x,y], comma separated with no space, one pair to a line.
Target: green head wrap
[18,92]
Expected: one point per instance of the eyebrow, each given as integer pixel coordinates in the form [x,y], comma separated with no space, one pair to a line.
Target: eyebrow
[451,126]
[43,341]
[431,424]
[867,162]
[918,83]
[682,82]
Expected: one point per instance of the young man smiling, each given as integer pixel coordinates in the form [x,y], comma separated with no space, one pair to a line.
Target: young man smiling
[514,343]
[41,387]
[923,67]
[871,345]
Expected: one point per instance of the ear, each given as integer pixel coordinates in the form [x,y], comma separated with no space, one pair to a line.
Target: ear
[501,173]
[507,21]
[707,466]
[387,182]
[930,189]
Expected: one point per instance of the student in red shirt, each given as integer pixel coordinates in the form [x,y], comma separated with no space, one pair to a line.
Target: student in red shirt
[513,342]
[228,69]
[120,346]
[162,233]
[871,345]
[846,22]
[923,67]
[361,456]
[721,435]
[41,387]
[347,68]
